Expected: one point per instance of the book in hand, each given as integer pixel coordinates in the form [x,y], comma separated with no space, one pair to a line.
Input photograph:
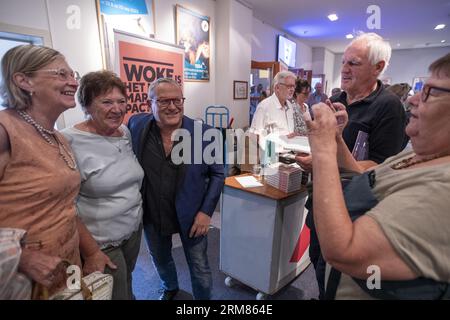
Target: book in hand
[296,143]
[361,148]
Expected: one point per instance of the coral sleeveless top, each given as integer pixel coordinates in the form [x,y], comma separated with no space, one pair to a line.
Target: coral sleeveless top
[38,191]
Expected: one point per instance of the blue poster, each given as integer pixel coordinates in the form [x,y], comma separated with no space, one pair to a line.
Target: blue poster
[193,34]
[123,7]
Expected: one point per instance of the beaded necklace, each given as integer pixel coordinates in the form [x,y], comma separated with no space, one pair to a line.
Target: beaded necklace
[408,162]
[46,134]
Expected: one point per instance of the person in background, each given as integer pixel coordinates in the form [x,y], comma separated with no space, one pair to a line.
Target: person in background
[301,93]
[262,96]
[376,118]
[335,91]
[275,113]
[401,90]
[109,203]
[394,216]
[255,99]
[317,96]
[39,178]
[178,197]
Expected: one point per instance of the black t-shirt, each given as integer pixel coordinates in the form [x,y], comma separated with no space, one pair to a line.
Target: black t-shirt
[162,177]
[381,115]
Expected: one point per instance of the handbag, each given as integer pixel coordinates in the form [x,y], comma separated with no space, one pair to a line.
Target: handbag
[95,286]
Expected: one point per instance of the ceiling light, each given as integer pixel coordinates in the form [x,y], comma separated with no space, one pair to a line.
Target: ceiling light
[349,36]
[442,41]
[439,27]
[333,17]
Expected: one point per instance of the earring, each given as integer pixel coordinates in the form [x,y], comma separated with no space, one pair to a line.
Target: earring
[31,94]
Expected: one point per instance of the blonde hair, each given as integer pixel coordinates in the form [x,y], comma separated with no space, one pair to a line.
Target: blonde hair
[25,59]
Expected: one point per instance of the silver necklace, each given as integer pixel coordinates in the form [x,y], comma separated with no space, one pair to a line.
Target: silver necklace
[116,146]
[45,133]
[91,128]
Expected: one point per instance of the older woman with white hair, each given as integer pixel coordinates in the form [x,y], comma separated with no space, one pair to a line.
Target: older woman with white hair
[389,230]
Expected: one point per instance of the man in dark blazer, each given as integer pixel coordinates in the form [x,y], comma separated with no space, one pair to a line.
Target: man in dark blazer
[181,187]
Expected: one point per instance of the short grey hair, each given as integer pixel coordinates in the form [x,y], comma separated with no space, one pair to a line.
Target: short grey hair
[280,76]
[156,83]
[379,49]
[23,59]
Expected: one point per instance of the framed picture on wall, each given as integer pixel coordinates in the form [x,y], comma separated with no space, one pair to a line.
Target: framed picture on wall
[240,90]
[193,30]
[136,17]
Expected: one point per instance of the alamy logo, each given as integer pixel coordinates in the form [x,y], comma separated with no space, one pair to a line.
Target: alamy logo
[73,22]
[374,280]
[73,281]
[374,20]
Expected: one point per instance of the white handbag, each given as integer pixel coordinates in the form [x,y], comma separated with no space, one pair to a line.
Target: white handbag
[95,286]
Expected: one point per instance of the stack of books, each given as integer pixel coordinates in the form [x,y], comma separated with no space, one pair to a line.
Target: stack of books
[287,178]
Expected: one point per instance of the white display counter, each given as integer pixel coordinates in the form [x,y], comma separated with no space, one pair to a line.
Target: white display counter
[262,240]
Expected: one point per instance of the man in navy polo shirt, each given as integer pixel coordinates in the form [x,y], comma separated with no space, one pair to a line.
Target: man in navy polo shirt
[376,117]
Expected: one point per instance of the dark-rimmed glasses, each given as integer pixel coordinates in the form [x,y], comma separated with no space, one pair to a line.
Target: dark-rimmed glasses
[427,90]
[177,102]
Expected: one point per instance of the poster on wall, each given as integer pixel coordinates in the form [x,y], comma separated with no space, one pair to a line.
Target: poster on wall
[132,16]
[193,31]
[139,62]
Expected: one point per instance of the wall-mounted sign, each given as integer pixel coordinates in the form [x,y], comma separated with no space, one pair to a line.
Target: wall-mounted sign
[131,16]
[139,62]
[123,7]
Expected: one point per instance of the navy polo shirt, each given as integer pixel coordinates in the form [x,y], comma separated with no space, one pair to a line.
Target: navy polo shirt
[381,115]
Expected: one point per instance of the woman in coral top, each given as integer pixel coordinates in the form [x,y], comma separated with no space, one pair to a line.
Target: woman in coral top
[39,179]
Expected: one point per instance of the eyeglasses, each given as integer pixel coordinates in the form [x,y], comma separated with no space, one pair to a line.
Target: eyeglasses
[428,90]
[289,86]
[62,74]
[177,102]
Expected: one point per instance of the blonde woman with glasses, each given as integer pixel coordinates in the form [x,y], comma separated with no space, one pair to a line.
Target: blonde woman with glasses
[39,178]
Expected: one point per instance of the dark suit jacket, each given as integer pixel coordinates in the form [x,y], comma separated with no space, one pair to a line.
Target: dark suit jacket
[201,184]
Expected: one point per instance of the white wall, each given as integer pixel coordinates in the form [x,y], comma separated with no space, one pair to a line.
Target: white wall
[318,57]
[25,13]
[264,44]
[323,62]
[328,70]
[233,57]
[404,65]
[409,63]
[81,47]
[336,82]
